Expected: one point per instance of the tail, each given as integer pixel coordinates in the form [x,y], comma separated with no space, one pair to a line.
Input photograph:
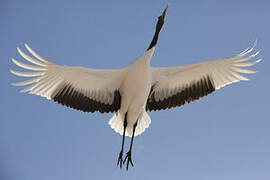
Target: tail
[116,123]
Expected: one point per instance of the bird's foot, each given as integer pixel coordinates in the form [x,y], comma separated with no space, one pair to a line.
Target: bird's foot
[120,159]
[128,158]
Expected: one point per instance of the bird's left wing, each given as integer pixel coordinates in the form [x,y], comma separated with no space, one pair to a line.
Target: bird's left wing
[80,88]
[175,86]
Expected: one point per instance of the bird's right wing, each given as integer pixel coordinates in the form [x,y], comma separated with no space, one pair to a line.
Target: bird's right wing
[80,88]
[175,86]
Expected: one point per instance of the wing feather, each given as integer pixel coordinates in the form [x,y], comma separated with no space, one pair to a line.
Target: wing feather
[27,66]
[35,54]
[28,58]
[27,74]
[27,82]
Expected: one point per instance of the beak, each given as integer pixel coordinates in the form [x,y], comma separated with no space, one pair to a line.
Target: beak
[164,12]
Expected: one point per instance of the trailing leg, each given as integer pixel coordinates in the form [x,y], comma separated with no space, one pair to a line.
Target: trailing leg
[128,156]
[120,158]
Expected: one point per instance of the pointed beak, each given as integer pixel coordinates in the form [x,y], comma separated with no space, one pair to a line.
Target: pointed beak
[164,12]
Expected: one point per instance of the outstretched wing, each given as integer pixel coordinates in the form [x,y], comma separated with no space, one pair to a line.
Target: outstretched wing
[80,88]
[175,86]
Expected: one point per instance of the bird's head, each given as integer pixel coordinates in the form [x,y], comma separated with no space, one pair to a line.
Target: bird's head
[161,18]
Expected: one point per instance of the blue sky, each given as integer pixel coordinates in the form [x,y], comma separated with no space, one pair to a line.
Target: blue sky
[222,136]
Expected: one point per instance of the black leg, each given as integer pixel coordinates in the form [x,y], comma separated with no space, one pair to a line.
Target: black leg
[128,156]
[120,158]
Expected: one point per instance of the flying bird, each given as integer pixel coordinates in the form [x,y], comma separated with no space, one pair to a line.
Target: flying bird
[131,91]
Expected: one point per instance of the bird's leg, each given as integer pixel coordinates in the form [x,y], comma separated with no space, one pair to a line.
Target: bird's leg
[128,156]
[120,158]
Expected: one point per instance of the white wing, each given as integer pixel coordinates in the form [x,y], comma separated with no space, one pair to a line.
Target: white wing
[80,88]
[175,86]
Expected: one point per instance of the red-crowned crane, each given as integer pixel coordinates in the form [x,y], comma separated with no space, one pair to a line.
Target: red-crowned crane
[133,90]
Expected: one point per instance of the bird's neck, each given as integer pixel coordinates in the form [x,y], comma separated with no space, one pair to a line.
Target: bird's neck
[155,38]
[149,53]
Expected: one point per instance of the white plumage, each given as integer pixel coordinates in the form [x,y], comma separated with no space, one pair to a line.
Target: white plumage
[131,91]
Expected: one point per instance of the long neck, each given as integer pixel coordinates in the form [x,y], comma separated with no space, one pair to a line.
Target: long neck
[159,25]
[155,38]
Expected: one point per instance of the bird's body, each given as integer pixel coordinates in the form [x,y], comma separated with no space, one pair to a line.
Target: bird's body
[132,91]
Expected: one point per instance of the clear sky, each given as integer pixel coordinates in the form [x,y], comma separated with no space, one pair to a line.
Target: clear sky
[222,136]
